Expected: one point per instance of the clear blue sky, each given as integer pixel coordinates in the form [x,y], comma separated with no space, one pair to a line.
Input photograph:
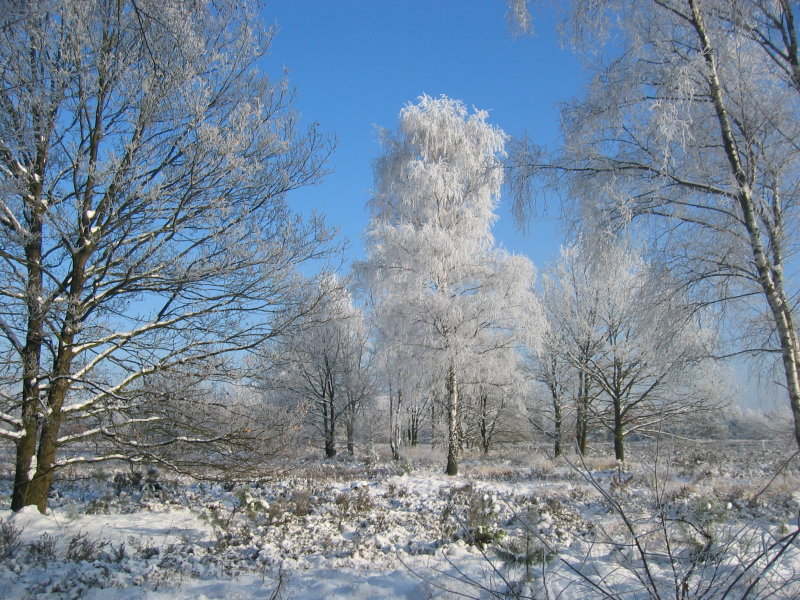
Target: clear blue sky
[355,63]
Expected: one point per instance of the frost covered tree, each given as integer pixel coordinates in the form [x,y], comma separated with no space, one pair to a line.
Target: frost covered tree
[431,262]
[550,366]
[144,162]
[358,375]
[323,365]
[690,127]
[653,365]
[405,385]
[572,304]
[494,389]
[648,360]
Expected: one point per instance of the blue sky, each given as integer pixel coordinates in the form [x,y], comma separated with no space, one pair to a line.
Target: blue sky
[356,63]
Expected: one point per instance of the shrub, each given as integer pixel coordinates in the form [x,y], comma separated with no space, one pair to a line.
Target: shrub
[9,538]
[126,482]
[43,550]
[81,548]
[474,513]
[354,502]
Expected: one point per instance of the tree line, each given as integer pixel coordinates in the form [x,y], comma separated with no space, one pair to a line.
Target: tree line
[155,302]
[464,342]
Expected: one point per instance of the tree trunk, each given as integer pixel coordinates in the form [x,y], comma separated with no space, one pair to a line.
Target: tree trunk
[484,425]
[26,446]
[581,427]
[452,422]
[619,432]
[557,450]
[45,459]
[31,364]
[25,451]
[769,275]
[57,394]
[434,422]
[330,446]
[394,422]
[48,445]
[350,430]
[582,418]
[330,427]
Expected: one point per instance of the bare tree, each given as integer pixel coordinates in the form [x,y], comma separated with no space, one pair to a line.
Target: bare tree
[323,364]
[551,367]
[396,375]
[654,359]
[649,358]
[494,389]
[405,385]
[143,229]
[690,127]
[398,378]
[573,305]
[359,380]
[188,424]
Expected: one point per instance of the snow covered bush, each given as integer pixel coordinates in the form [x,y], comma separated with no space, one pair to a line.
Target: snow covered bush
[649,541]
[41,550]
[9,538]
[471,514]
[351,531]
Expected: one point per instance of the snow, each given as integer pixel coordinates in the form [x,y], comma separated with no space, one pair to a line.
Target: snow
[32,468]
[355,530]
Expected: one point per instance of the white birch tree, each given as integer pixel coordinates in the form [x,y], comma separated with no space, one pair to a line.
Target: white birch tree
[144,163]
[431,263]
[690,127]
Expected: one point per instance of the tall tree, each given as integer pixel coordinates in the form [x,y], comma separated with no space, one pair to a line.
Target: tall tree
[431,261]
[143,228]
[691,127]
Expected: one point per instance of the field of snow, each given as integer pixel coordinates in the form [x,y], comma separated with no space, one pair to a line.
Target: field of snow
[697,521]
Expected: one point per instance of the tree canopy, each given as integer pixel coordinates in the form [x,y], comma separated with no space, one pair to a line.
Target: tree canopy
[144,163]
[431,262]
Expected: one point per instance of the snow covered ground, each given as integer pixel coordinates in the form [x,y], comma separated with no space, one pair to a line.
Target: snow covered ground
[518,525]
